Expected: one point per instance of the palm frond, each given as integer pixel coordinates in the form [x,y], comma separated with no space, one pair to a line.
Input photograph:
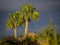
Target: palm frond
[35,15]
[8,24]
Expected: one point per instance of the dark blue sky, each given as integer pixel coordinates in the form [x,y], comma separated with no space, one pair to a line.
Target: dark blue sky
[47,9]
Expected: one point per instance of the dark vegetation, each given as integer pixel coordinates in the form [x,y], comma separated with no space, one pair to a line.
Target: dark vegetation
[28,40]
[23,40]
[58,38]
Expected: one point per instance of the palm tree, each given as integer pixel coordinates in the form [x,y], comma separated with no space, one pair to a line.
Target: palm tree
[29,12]
[14,21]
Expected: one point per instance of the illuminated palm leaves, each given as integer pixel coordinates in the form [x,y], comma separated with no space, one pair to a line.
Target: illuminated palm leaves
[14,19]
[35,16]
[29,12]
[11,21]
[24,15]
[19,18]
[9,24]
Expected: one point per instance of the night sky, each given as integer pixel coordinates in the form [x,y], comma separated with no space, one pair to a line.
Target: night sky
[47,8]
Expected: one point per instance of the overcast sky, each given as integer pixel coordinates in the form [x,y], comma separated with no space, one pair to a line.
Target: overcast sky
[47,9]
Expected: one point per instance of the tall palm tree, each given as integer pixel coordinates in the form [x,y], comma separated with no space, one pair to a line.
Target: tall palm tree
[14,21]
[29,12]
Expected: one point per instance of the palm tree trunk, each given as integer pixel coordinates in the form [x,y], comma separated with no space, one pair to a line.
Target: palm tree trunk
[26,28]
[15,36]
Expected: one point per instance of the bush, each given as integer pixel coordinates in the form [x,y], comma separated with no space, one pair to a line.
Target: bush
[0,41]
[10,41]
[29,39]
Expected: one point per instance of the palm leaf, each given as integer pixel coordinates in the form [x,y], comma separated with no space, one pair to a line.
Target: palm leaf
[8,24]
[35,15]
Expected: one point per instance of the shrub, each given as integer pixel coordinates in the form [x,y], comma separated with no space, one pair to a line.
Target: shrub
[10,41]
[28,39]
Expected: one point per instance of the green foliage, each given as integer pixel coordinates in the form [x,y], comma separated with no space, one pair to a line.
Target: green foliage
[15,19]
[0,41]
[7,44]
[35,16]
[40,36]
[29,12]
[30,39]
[25,40]
[19,18]
[11,21]
[58,38]
[10,41]
[9,24]
[50,33]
